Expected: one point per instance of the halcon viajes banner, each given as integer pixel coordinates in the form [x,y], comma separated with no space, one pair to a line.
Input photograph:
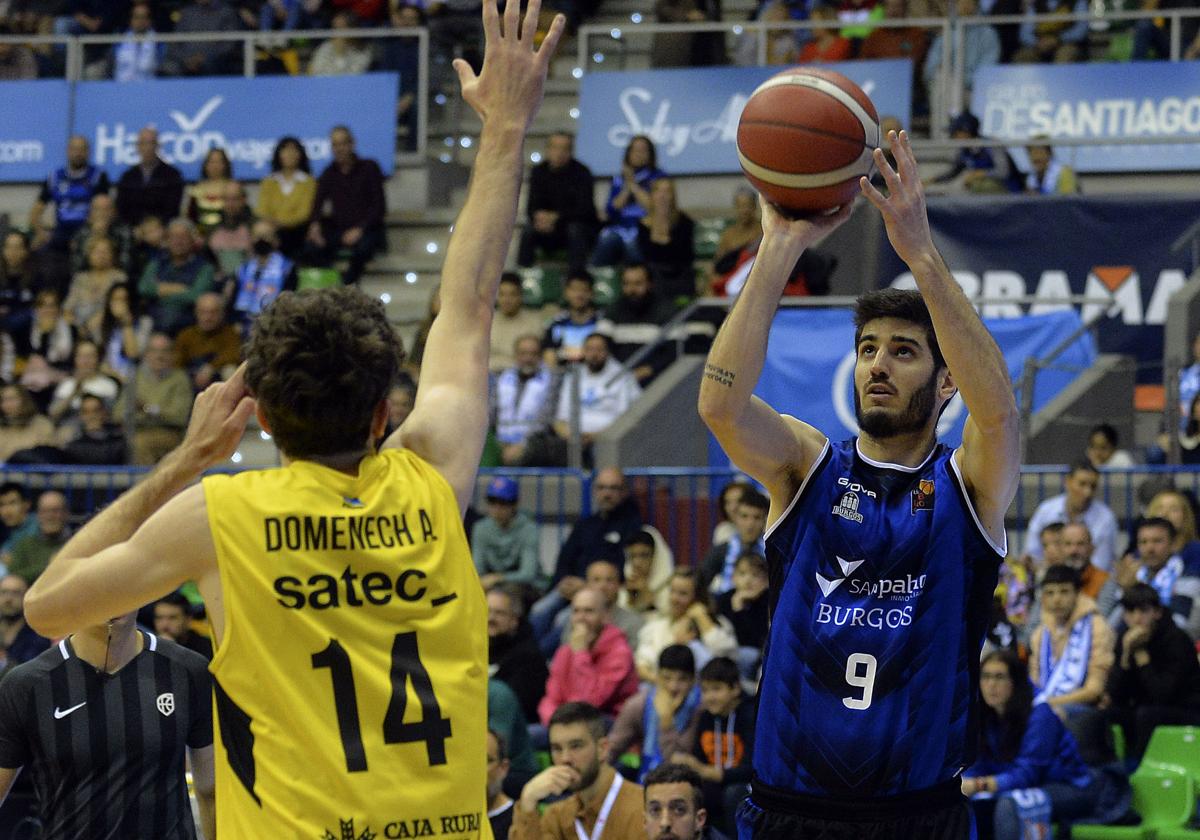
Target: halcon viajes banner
[692,115]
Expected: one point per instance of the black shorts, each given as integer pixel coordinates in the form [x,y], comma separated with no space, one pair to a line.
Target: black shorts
[936,813]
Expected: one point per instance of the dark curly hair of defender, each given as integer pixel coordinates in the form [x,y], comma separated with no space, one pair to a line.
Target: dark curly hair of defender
[905,304]
[319,362]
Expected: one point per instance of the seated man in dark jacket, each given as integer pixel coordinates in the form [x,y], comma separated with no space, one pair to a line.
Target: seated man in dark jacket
[513,655]
[1155,680]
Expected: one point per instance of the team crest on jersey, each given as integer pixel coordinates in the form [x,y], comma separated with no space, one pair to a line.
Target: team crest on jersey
[847,508]
[346,827]
[922,497]
[165,703]
[352,502]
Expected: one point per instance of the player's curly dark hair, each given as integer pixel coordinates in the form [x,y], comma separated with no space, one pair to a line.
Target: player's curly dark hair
[905,304]
[319,362]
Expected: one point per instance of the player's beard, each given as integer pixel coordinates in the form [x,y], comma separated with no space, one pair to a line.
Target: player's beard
[881,425]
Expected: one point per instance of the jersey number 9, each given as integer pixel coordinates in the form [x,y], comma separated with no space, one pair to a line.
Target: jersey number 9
[866,681]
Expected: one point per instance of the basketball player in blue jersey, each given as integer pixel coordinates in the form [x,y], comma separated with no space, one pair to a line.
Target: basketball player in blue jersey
[883,549]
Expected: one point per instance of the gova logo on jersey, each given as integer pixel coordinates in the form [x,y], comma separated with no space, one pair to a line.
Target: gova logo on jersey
[847,508]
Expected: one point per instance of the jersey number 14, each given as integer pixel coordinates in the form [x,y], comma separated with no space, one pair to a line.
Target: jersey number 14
[432,728]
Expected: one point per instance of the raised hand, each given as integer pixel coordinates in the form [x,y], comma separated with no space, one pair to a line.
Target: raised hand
[903,209]
[806,230]
[219,419]
[509,87]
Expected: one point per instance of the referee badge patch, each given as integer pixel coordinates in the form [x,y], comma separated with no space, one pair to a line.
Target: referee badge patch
[922,497]
[166,703]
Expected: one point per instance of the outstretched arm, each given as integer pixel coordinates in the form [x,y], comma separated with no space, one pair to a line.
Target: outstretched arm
[447,424]
[990,455]
[776,450]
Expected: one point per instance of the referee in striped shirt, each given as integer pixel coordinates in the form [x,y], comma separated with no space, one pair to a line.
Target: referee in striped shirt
[103,720]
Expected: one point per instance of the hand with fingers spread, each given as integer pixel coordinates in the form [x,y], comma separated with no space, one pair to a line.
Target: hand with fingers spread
[218,421]
[903,208]
[509,87]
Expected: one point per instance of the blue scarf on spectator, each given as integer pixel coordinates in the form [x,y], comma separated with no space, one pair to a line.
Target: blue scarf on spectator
[1067,673]
[1164,578]
[651,752]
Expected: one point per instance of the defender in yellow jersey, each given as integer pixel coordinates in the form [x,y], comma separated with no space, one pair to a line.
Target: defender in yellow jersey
[350,628]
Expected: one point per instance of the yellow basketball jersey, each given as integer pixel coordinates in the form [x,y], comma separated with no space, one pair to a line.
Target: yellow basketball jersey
[351,682]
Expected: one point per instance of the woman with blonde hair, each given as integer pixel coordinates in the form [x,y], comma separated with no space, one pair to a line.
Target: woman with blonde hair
[1176,508]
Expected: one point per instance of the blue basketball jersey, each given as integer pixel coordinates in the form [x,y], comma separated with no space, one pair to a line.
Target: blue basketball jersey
[881,585]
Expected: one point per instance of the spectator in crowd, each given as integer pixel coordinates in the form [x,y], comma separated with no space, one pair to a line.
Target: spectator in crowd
[727,502]
[21,277]
[138,57]
[976,169]
[578,748]
[15,519]
[148,244]
[1020,576]
[101,223]
[687,49]
[134,754]
[635,319]
[1177,582]
[511,322]
[1048,176]
[171,284]
[206,197]
[86,379]
[159,401]
[563,341]
[18,642]
[666,241]
[745,228]
[1077,552]
[353,189]
[99,442]
[401,400]
[909,42]
[662,716]
[604,391]
[597,536]
[89,288]
[120,335]
[595,665]
[70,189]
[1152,36]
[604,576]
[499,804]
[749,522]
[46,346]
[21,426]
[513,654]
[675,805]
[339,55]
[684,602]
[1042,40]
[628,203]
[209,350]
[1155,680]
[173,620]
[648,567]
[721,752]
[229,240]
[504,716]
[150,188]
[1176,507]
[827,43]
[1189,434]
[1070,656]
[261,278]
[31,554]
[402,56]
[746,606]
[504,544]
[285,197]
[1102,451]
[205,58]
[981,48]
[1023,745]
[17,62]
[562,211]
[1078,504]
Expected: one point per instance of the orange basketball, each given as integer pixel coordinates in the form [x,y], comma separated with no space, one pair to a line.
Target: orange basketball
[805,138]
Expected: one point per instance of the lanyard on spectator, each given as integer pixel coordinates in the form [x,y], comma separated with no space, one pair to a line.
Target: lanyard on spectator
[602,817]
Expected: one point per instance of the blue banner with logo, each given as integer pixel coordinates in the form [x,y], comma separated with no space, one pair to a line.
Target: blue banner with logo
[33,133]
[1143,99]
[246,117]
[809,367]
[692,115]
[1115,250]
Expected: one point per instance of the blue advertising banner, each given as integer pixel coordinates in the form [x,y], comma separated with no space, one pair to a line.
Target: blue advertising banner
[246,117]
[1115,250]
[809,368]
[33,133]
[692,115]
[1144,99]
